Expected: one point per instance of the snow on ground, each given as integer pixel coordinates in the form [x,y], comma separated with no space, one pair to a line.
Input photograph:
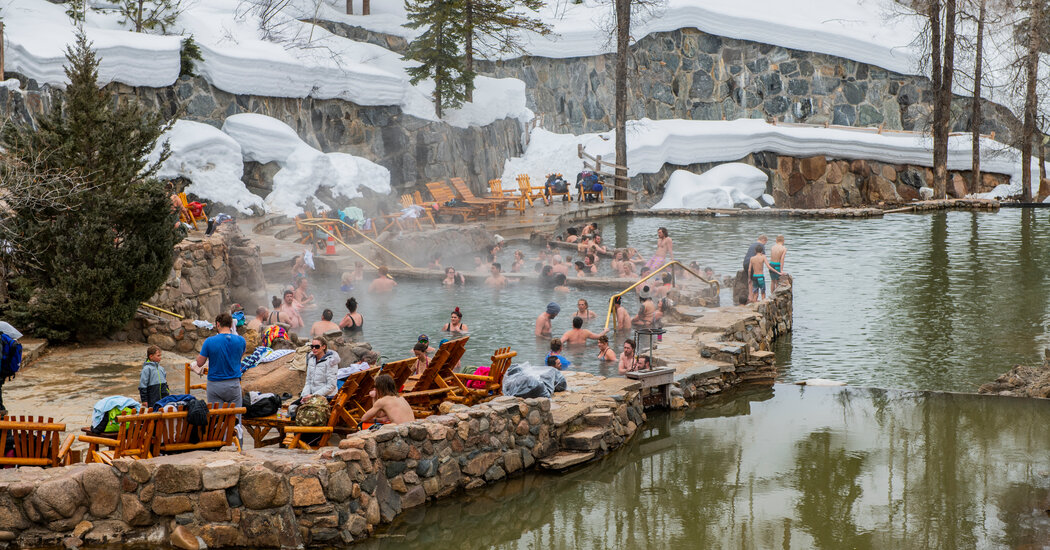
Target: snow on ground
[723,186]
[651,144]
[304,169]
[211,160]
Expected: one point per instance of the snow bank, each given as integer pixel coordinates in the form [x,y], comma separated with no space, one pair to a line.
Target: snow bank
[304,169]
[723,186]
[211,160]
[651,144]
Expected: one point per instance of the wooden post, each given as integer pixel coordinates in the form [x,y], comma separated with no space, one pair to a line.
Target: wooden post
[349,7]
[364,8]
[1,51]
[598,163]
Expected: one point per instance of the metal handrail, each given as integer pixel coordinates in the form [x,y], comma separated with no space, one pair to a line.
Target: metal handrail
[609,313]
[319,222]
[162,310]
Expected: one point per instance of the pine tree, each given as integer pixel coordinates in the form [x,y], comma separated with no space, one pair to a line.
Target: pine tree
[83,271]
[438,51]
[150,14]
[493,25]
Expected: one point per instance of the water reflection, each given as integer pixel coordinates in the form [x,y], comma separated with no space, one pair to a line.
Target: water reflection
[788,468]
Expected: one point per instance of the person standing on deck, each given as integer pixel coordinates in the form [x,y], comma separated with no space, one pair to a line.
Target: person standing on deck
[758,263]
[543,322]
[664,250]
[222,352]
[776,260]
[761,241]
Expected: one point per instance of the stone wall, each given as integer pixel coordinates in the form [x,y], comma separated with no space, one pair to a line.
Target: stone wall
[821,182]
[209,275]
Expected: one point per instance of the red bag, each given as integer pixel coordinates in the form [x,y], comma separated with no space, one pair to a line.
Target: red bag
[196,208]
[481,371]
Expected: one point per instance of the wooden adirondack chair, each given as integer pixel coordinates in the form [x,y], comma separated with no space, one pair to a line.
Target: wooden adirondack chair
[554,193]
[431,388]
[187,214]
[352,401]
[134,439]
[36,443]
[493,381]
[527,189]
[400,371]
[294,437]
[259,428]
[498,205]
[517,201]
[443,194]
[408,200]
[174,433]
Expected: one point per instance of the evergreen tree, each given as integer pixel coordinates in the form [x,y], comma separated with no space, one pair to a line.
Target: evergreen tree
[83,271]
[438,51]
[493,25]
[147,15]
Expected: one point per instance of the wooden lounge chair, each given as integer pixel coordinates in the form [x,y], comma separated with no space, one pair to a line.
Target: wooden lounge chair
[400,370]
[188,215]
[430,388]
[493,381]
[554,193]
[498,205]
[174,433]
[351,401]
[527,189]
[517,201]
[36,443]
[134,439]
[443,194]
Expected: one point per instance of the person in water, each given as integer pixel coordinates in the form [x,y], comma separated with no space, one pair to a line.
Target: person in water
[290,311]
[583,310]
[627,363]
[352,321]
[623,317]
[555,351]
[382,283]
[579,335]
[559,284]
[758,263]
[519,262]
[543,322]
[257,322]
[496,278]
[323,326]
[389,406]
[455,323]
[776,261]
[646,311]
[605,353]
[452,278]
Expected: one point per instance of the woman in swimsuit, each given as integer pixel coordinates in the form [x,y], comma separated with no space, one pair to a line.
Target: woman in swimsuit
[605,353]
[519,262]
[456,322]
[452,278]
[583,310]
[275,315]
[352,321]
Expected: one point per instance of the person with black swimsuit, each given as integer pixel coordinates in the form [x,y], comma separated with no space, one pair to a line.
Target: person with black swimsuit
[455,324]
[352,321]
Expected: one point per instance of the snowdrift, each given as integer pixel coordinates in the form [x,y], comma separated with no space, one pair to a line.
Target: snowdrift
[724,186]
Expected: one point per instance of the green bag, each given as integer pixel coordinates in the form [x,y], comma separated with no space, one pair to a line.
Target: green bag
[313,412]
[112,425]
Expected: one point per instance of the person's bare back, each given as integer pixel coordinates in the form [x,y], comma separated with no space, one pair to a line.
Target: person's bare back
[391,409]
[777,253]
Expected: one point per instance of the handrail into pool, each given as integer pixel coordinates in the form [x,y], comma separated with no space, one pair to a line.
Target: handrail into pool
[609,313]
[319,223]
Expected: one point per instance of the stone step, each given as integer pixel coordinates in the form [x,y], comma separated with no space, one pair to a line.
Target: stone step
[32,349]
[564,460]
[584,440]
[599,419]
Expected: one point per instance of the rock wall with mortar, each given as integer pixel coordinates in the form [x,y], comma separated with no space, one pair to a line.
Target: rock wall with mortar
[821,182]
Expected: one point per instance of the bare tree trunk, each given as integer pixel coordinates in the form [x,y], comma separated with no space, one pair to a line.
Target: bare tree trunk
[1030,99]
[469,46]
[349,7]
[365,9]
[623,34]
[939,175]
[944,60]
[975,107]
[1044,184]
[138,16]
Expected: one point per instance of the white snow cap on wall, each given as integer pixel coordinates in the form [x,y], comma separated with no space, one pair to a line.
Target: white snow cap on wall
[723,186]
[304,169]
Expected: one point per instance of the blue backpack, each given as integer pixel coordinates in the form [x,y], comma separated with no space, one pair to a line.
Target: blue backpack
[12,356]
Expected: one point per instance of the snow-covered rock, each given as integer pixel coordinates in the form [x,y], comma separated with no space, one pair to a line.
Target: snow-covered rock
[723,186]
[211,160]
[303,169]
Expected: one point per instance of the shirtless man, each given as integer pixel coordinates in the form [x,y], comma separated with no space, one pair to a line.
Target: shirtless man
[324,325]
[257,322]
[496,279]
[290,311]
[776,260]
[579,335]
[382,284]
[557,266]
[627,363]
[661,290]
[623,317]
[664,249]
[755,272]
[543,322]
[645,314]
[389,407]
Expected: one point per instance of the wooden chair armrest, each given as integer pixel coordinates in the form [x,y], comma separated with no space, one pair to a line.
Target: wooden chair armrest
[66,445]
[482,378]
[309,429]
[98,440]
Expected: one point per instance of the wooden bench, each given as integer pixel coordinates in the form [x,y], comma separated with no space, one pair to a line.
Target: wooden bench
[497,205]
[174,433]
[134,439]
[36,443]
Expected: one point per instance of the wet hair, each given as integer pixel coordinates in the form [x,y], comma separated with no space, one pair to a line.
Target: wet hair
[351,304]
[383,271]
[457,313]
[321,340]
[151,350]
[617,300]
[224,320]
[497,266]
[559,279]
[590,257]
[385,385]
[634,347]
[762,238]
[555,345]
[546,271]
[664,231]
[552,360]
[261,310]
[420,346]
[577,322]
[645,271]
[603,339]
[538,267]
[276,302]
[572,231]
[585,304]
[668,278]
[580,265]
[326,315]
[759,249]
[287,292]
[594,226]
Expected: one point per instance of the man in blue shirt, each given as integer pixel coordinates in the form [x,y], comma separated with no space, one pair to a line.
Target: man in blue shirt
[222,352]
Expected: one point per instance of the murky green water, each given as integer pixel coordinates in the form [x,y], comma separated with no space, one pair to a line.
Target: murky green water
[942,301]
[791,467]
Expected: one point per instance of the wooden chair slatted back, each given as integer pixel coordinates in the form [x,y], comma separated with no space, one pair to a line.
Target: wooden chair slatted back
[361,401]
[501,360]
[429,377]
[440,192]
[447,373]
[345,403]
[135,436]
[33,440]
[461,187]
[400,370]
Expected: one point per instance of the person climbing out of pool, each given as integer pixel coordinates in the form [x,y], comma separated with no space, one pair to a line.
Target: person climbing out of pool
[452,277]
[760,241]
[496,278]
[455,323]
[389,407]
[579,335]
[352,321]
[420,351]
[664,250]
[605,353]
[324,325]
[776,261]
[543,322]
[556,352]
[759,262]
[583,310]
[627,357]
[623,317]
[382,283]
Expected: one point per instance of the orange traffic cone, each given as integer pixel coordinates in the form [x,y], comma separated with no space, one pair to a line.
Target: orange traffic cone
[330,249]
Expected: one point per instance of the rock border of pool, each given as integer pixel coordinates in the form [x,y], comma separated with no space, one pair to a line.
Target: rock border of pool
[281,498]
[831,213]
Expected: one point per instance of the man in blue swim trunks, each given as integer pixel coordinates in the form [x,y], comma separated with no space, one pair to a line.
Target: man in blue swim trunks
[755,272]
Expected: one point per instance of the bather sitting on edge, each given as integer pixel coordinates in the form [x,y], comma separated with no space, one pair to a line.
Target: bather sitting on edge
[389,407]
